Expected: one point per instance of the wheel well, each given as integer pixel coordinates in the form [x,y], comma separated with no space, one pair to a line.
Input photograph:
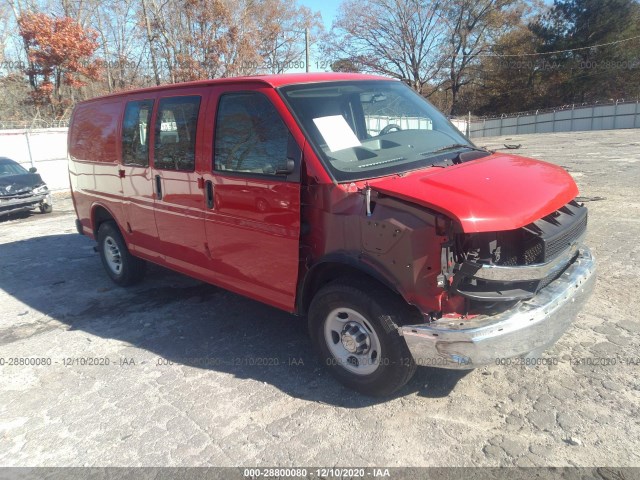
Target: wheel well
[100,215]
[324,273]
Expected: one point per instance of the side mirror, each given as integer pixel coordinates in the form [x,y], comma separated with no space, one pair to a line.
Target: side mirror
[291,165]
[33,170]
[288,167]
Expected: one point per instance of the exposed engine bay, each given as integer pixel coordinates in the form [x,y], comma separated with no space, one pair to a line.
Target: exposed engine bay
[513,265]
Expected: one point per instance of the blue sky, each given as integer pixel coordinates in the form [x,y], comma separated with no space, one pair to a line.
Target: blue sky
[328,9]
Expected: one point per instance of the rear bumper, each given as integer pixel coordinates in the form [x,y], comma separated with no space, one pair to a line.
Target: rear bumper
[532,325]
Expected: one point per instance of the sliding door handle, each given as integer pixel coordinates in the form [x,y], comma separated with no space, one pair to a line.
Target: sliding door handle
[158,187]
[209,195]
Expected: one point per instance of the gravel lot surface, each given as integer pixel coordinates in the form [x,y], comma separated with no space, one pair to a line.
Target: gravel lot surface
[160,403]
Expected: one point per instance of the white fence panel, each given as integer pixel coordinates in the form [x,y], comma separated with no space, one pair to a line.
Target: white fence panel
[375,123]
[45,149]
[596,117]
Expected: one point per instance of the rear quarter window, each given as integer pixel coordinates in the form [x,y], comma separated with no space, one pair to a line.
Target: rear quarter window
[93,134]
[135,133]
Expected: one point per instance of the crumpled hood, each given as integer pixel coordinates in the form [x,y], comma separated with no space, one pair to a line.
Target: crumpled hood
[12,184]
[494,193]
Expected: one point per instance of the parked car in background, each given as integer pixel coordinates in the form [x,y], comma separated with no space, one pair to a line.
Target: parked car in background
[21,189]
[346,199]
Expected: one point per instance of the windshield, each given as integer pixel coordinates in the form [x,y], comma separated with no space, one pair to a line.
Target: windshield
[11,168]
[366,129]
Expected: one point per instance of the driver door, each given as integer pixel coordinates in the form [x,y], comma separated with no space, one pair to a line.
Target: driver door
[252,199]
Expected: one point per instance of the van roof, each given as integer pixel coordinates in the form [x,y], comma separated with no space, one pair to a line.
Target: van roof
[270,80]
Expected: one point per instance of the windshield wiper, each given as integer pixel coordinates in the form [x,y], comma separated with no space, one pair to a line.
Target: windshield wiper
[453,146]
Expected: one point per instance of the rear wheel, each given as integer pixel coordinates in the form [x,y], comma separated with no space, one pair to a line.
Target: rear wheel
[122,267]
[354,327]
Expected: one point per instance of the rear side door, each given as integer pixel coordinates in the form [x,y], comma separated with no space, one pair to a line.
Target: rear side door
[137,177]
[178,203]
[252,198]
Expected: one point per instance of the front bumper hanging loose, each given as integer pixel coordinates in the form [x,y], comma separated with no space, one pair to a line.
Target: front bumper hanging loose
[530,326]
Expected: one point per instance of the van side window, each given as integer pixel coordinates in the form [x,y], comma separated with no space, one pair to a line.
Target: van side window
[250,135]
[175,133]
[135,133]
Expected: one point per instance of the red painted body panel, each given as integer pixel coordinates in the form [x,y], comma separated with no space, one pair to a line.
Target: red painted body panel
[500,192]
[273,81]
[253,229]
[93,152]
[249,247]
[95,137]
[179,214]
[137,200]
[264,235]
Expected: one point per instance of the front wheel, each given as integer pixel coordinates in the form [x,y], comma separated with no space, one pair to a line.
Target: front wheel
[354,327]
[122,267]
[46,208]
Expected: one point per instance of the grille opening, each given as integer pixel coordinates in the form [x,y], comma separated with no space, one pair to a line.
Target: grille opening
[538,242]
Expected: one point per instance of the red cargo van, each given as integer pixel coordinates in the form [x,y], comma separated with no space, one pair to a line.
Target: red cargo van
[347,199]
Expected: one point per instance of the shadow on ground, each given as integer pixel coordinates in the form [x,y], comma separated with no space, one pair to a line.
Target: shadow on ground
[29,215]
[181,320]
[7,217]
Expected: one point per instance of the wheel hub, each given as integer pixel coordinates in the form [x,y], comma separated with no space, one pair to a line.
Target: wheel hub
[355,338]
[112,255]
[352,341]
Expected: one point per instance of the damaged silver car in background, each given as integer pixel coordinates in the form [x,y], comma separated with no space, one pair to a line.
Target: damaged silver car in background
[21,189]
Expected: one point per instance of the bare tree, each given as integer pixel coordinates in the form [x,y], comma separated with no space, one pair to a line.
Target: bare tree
[19,6]
[398,38]
[194,39]
[150,40]
[16,7]
[15,101]
[159,41]
[282,27]
[4,31]
[471,27]
[80,10]
[122,42]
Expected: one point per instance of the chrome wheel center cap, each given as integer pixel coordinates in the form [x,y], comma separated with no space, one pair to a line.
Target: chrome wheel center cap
[355,338]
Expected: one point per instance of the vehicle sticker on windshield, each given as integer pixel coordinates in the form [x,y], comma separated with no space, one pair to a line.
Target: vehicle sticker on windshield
[336,132]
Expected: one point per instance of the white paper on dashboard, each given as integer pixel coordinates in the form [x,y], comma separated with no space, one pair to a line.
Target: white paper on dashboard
[336,132]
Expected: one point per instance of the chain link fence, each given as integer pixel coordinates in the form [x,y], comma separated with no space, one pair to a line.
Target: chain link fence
[32,124]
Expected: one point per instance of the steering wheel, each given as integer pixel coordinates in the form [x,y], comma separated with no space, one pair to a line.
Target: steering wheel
[388,128]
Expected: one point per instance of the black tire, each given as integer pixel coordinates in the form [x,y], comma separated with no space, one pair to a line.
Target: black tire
[131,269]
[383,311]
[46,208]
